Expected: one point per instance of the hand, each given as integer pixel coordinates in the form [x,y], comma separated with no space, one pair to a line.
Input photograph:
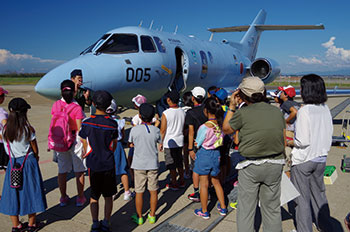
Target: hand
[37,158]
[192,155]
[86,94]
[233,99]
[160,147]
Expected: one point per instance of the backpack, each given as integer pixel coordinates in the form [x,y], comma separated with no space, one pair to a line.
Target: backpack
[61,136]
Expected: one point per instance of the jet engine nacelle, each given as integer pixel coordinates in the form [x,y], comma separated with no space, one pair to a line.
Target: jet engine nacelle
[266,69]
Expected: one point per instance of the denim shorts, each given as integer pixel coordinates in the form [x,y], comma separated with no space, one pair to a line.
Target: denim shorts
[207,162]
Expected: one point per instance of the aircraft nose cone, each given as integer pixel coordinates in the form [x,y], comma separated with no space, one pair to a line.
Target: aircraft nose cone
[49,85]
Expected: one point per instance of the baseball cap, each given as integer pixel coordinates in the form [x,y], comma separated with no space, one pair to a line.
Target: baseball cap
[102,99]
[3,91]
[289,90]
[221,94]
[18,104]
[251,85]
[198,92]
[139,99]
[76,72]
[112,108]
[147,111]
[276,93]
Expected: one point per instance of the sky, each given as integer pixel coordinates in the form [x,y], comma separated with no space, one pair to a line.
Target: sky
[36,36]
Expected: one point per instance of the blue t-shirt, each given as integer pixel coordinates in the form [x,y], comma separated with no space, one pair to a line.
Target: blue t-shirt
[99,132]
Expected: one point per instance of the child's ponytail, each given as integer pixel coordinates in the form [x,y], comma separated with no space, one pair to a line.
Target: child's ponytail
[215,108]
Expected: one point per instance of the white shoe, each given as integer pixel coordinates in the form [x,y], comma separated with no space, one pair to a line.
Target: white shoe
[128,195]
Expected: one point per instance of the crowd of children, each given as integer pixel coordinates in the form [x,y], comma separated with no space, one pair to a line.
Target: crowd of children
[196,137]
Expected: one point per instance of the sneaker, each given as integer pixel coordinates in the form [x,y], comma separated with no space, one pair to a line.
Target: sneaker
[223,212]
[128,195]
[151,219]
[22,227]
[95,227]
[33,228]
[64,201]
[172,187]
[80,201]
[194,197]
[199,213]
[137,220]
[104,226]
[233,205]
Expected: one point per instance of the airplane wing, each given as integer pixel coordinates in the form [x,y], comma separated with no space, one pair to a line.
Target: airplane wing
[267,28]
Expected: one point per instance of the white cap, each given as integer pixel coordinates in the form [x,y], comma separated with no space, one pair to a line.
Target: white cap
[198,92]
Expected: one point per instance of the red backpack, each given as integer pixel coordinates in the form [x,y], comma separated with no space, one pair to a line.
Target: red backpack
[61,137]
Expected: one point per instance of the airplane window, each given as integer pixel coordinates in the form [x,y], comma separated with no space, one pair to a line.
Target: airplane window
[160,45]
[147,44]
[89,49]
[120,43]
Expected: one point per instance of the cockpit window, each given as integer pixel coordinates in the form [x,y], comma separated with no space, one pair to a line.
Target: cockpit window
[160,44]
[91,47]
[147,44]
[120,43]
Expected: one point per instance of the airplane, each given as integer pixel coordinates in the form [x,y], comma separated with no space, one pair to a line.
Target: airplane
[134,60]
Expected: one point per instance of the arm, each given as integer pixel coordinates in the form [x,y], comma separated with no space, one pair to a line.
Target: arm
[84,146]
[302,130]
[163,127]
[293,114]
[78,122]
[35,149]
[114,146]
[226,128]
[3,122]
[87,97]
[191,141]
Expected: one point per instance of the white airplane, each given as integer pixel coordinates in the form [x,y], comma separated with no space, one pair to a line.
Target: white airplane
[133,60]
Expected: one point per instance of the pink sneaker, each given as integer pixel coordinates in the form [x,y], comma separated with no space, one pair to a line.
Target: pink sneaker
[64,201]
[80,201]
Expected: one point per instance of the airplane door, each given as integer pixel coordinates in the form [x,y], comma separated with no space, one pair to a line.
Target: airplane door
[182,69]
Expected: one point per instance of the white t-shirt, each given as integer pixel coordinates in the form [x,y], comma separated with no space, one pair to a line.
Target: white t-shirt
[3,115]
[19,148]
[174,136]
[313,133]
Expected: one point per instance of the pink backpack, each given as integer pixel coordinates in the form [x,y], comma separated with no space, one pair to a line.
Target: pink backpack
[61,137]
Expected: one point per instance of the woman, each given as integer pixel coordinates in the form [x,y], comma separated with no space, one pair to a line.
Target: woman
[312,142]
[261,142]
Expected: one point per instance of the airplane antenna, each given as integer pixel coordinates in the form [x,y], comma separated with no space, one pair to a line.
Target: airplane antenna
[161,28]
[150,27]
[211,36]
[176,29]
[140,23]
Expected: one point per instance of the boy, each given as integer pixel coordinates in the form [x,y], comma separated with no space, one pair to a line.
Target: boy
[171,130]
[144,139]
[99,136]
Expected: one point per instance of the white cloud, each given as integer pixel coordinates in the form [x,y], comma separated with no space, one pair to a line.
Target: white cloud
[333,57]
[10,62]
[312,60]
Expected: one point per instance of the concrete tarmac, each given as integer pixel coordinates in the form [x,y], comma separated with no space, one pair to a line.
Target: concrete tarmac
[72,218]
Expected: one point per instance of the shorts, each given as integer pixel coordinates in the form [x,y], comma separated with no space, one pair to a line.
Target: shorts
[173,158]
[71,159]
[102,183]
[207,162]
[143,176]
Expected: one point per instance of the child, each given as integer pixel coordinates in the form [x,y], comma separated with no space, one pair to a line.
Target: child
[4,158]
[209,139]
[188,104]
[99,135]
[20,142]
[121,164]
[144,139]
[171,130]
[73,157]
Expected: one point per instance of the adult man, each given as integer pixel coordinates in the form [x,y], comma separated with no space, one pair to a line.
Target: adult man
[194,118]
[82,95]
[261,128]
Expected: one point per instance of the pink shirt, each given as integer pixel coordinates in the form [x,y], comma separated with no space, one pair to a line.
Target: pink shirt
[74,111]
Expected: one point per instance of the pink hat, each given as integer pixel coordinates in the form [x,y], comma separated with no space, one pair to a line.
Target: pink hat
[138,100]
[3,91]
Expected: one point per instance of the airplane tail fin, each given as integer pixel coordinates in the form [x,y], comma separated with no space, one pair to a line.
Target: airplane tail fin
[250,40]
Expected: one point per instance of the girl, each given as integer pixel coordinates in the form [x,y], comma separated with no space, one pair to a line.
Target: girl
[188,104]
[207,162]
[313,139]
[20,143]
[121,164]
[72,157]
